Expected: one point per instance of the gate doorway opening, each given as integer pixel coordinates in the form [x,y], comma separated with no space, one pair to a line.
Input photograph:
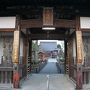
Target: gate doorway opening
[48,57]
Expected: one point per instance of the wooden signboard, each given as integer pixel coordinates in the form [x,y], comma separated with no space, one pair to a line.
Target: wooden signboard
[48,16]
[79,46]
[16,47]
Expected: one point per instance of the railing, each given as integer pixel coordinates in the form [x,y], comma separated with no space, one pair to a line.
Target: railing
[73,71]
[60,66]
[6,74]
[67,68]
[86,62]
[85,71]
[36,67]
[22,70]
[72,68]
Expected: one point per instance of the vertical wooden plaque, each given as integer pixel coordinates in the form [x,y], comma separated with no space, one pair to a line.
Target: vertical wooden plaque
[16,47]
[48,16]
[79,46]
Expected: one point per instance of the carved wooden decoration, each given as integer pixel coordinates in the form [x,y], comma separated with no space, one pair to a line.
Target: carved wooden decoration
[48,16]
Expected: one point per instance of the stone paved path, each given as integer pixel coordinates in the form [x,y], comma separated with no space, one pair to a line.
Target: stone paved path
[47,82]
[50,68]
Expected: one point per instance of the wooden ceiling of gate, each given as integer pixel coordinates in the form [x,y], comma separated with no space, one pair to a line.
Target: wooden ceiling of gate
[33,9]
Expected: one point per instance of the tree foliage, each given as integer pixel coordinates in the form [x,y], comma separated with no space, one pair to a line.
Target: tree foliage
[35,46]
[59,46]
[61,52]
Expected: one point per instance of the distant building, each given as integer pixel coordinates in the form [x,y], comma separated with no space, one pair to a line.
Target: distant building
[50,48]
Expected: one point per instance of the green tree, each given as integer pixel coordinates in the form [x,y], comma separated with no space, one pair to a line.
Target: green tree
[35,46]
[59,46]
[61,53]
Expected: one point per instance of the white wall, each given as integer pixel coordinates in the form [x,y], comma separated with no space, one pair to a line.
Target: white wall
[7,22]
[10,39]
[85,22]
[7,41]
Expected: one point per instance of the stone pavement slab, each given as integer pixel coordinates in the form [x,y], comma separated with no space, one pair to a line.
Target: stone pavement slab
[47,82]
[35,82]
[60,82]
[50,67]
[86,87]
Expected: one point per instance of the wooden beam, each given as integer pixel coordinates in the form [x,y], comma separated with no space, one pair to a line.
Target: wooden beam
[47,36]
[7,30]
[64,23]
[85,30]
[32,23]
[38,23]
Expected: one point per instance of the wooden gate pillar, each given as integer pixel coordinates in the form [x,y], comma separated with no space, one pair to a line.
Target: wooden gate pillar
[67,61]
[70,49]
[79,57]
[30,53]
[65,55]
[25,53]
[15,57]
